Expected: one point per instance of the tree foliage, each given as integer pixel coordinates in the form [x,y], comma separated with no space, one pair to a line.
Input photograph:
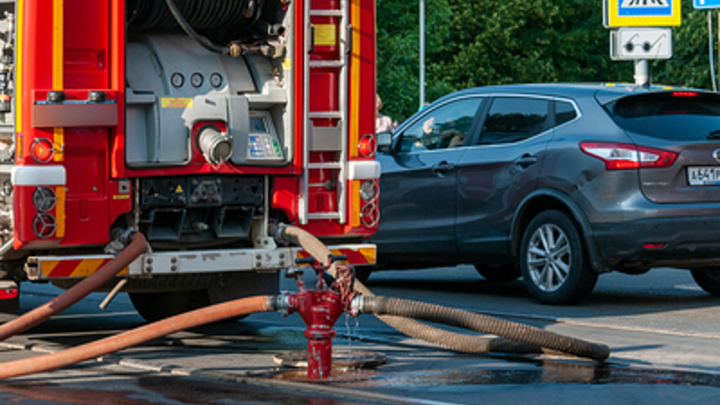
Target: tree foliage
[483,42]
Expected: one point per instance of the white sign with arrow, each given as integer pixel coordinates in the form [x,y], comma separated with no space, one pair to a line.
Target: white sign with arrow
[640,43]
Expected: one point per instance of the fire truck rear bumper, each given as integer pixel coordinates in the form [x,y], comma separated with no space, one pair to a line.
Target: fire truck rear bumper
[187,262]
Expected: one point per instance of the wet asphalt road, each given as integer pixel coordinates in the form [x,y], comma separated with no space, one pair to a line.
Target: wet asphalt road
[662,329]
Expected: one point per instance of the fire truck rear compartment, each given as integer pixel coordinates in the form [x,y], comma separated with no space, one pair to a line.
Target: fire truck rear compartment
[176,89]
[198,209]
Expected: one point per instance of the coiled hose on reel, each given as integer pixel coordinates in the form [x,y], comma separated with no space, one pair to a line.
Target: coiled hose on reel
[192,15]
[200,14]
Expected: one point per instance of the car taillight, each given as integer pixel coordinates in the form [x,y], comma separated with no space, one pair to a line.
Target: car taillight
[620,156]
[8,293]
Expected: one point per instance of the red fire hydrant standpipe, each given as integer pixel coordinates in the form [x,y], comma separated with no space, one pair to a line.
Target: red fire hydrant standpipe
[320,309]
[104,274]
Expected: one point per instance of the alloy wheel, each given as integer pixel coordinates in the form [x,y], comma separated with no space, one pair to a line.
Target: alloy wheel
[549,258]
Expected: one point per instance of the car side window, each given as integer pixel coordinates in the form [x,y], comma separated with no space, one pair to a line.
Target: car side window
[513,119]
[564,112]
[441,128]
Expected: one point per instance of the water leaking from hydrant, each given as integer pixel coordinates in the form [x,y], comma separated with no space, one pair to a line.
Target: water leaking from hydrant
[351,330]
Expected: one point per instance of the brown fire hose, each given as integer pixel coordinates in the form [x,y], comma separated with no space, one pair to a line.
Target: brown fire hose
[104,274]
[451,340]
[218,312]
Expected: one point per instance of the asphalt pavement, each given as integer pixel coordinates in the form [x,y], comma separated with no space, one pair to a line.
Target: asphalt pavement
[241,363]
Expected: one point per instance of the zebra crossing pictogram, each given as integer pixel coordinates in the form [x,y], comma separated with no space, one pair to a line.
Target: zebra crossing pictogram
[644,3]
[645,8]
[643,13]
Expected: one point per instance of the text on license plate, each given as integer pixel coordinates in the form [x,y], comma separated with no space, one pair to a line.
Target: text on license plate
[703,175]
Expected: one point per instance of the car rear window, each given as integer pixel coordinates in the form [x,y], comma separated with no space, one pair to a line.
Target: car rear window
[680,115]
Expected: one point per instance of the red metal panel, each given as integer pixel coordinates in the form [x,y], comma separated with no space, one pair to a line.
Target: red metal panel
[75,49]
[285,192]
[87,44]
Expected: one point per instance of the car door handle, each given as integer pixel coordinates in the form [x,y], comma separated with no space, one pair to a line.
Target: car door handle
[443,167]
[526,160]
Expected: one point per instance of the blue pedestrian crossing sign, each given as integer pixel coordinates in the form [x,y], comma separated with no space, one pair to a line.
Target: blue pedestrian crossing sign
[643,13]
[702,4]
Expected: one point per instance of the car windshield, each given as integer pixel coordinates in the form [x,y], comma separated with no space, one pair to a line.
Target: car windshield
[679,115]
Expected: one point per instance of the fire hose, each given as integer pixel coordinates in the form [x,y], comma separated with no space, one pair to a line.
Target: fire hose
[218,312]
[104,274]
[523,339]
[312,305]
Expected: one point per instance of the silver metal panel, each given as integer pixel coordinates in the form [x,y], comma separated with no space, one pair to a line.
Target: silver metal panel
[325,138]
[239,127]
[206,261]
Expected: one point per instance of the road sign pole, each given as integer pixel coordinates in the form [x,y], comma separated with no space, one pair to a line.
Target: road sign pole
[642,72]
[422,53]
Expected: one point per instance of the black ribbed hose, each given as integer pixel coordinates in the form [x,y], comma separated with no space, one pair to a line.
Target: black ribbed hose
[455,341]
[482,323]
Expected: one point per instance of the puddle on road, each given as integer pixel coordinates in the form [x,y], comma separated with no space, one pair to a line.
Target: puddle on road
[155,390]
[543,373]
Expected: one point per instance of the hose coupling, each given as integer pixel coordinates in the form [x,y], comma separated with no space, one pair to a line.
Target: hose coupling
[282,238]
[357,305]
[279,303]
[235,50]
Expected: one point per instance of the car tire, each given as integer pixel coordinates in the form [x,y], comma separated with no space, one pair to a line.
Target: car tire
[555,271]
[708,279]
[498,272]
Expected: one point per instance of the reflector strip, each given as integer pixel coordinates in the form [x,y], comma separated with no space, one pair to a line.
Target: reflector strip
[58,80]
[355,79]
[355,203]
[19,75]
[72,268]
[356,257]
[60,211]
[58,144]
[58,44]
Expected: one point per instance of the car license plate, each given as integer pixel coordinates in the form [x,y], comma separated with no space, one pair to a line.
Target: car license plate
[704,176]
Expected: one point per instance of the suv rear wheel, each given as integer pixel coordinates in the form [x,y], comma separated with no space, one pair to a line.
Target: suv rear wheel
[708,279]
[552,260]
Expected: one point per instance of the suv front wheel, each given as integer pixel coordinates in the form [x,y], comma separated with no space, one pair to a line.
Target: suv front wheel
[552,260]
[708,279]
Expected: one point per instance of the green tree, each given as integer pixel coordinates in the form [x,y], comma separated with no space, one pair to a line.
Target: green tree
[689,65]
[487,42]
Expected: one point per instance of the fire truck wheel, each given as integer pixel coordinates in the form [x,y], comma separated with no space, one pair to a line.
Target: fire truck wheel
[159,305]
[362,273]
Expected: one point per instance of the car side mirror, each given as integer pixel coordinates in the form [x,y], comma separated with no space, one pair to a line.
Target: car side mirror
[384,141]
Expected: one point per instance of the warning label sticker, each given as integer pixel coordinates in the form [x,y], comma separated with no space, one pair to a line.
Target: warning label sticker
[176,102]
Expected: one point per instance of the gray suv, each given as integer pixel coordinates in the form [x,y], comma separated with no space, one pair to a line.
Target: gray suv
[556,183]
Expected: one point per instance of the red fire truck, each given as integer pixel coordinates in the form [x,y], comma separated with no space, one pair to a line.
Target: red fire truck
[201,124]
